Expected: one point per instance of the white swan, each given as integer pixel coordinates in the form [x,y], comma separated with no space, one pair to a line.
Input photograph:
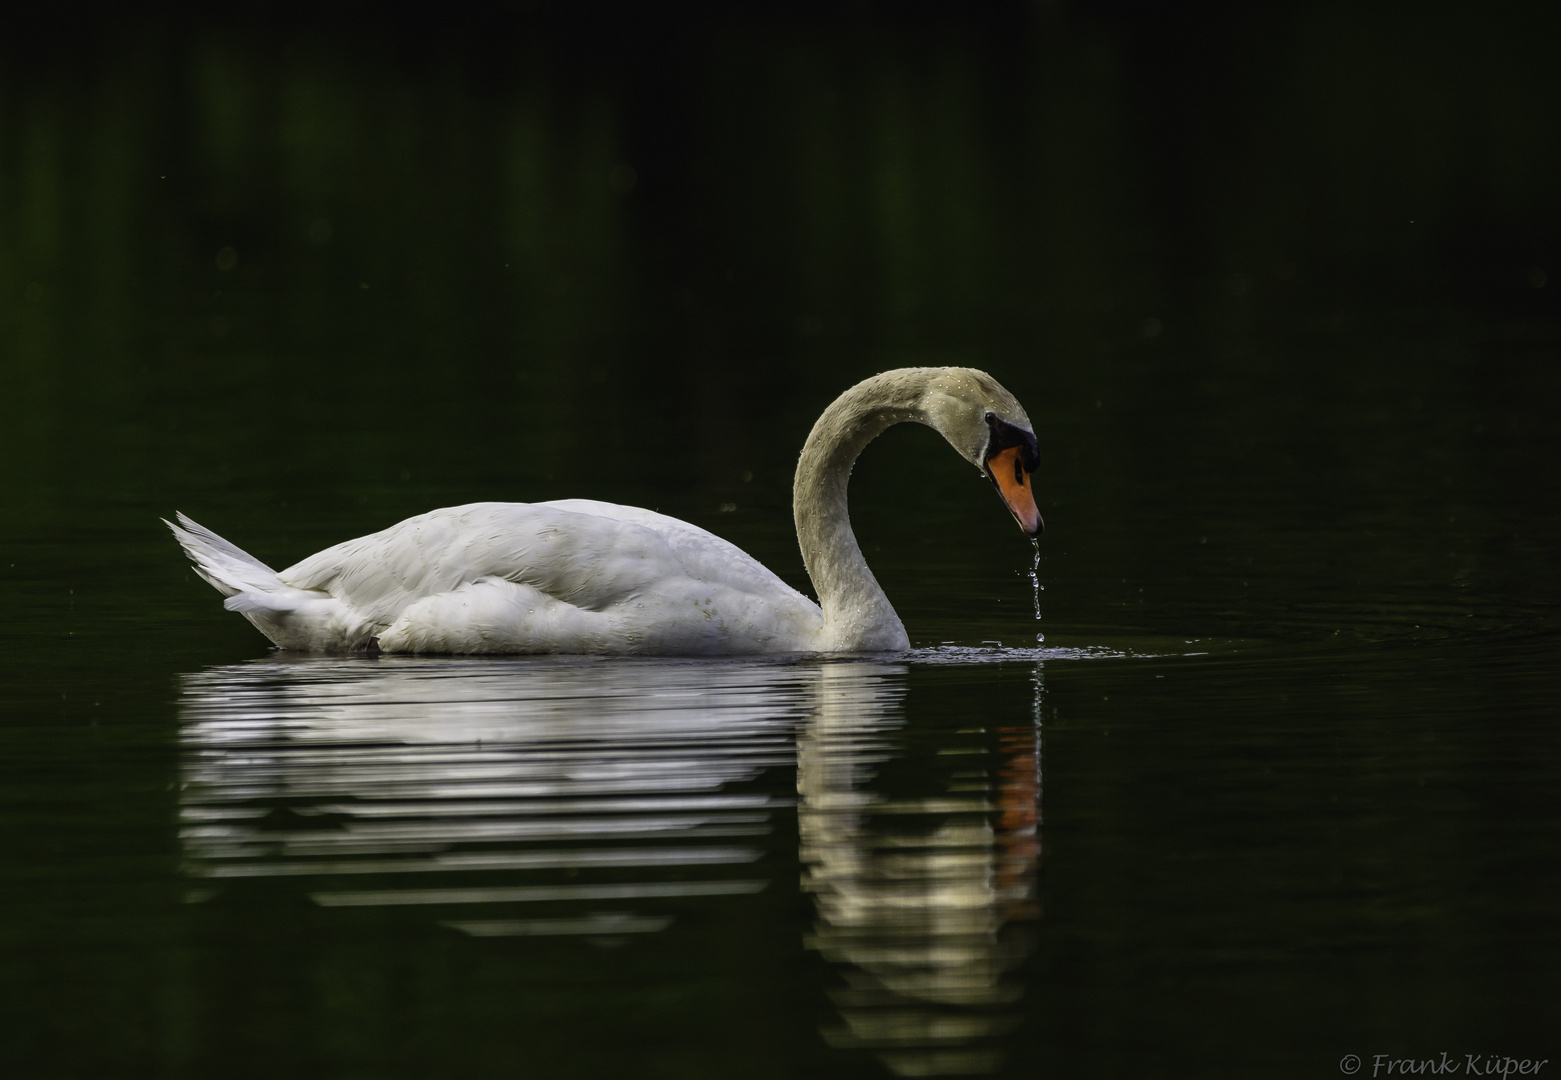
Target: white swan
[577,576]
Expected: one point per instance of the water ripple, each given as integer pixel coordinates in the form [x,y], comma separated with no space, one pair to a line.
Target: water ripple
[603,801]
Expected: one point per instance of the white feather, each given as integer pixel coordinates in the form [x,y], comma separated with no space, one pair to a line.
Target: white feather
[578,576]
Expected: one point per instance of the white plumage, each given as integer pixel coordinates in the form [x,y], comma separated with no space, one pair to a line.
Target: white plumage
[579,576]
[573,576]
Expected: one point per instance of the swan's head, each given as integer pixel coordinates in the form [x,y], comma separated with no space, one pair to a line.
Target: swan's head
[990,430]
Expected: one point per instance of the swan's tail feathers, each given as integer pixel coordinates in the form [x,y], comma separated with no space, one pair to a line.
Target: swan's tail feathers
[263,603]
[230,570]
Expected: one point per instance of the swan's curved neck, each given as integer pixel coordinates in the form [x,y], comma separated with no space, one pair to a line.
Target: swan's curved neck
[857,614]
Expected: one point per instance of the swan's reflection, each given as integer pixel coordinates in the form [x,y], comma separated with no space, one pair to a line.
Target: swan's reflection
[921,901]
[449,782]
[592,798]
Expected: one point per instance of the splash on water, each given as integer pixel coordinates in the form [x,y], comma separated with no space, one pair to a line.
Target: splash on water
[999,654]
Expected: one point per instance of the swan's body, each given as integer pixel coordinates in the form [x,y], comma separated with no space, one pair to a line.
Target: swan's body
[577,576]
[573,576]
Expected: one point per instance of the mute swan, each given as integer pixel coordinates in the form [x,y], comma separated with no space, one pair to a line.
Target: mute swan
[578,576]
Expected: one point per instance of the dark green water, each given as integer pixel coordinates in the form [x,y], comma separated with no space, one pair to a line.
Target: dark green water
[1281,785]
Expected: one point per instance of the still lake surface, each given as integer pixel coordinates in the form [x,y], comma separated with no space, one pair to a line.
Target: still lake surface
[1331,830]
[1282,782]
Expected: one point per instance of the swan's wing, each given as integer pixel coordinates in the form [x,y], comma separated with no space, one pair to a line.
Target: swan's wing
[440,551]
[586,554]
[703,555]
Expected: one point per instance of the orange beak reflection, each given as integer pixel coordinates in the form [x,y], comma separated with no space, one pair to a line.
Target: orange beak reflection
[1007,469]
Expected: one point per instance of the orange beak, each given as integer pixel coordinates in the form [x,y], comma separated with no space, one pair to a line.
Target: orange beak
[1006,468]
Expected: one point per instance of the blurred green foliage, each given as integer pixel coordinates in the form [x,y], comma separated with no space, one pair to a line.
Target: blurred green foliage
[365,270]
[1276,283]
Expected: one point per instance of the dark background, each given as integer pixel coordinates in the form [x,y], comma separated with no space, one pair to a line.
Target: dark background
[376,260]
[1277,284]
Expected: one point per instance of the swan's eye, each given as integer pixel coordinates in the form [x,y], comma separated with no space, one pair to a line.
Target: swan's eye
[1006,436]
